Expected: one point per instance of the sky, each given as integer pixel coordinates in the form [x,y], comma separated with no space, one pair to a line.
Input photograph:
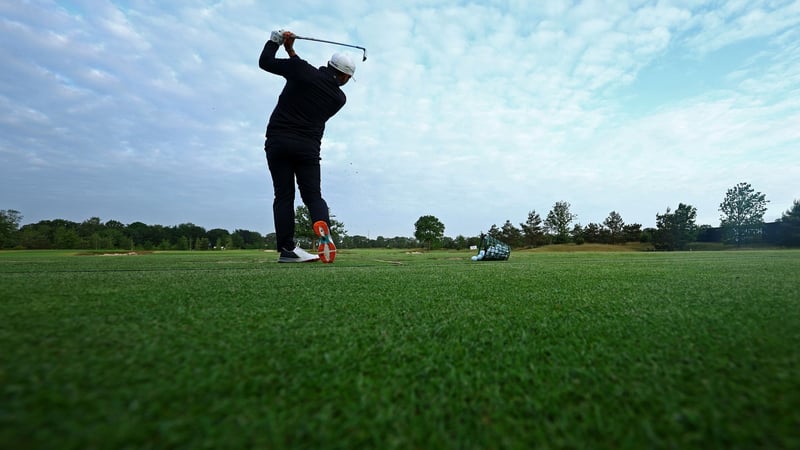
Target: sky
[475,112]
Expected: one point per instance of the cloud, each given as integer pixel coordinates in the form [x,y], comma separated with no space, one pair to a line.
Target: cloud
[473,112]
[732,22]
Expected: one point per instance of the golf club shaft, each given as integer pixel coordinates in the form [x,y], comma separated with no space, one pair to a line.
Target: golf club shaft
[335,43]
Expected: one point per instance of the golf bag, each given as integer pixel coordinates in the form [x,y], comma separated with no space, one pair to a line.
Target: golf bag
[490,249]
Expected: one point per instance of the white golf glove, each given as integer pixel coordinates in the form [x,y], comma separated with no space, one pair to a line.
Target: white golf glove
[277,37]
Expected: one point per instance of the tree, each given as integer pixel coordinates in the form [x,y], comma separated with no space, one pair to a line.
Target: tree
[202,243]
[532,230]
[37,236]
[742,214]
[510,234]
[218,238]
[494,231]
[237,239]
[707,233]
[577,234]
[141,234]
[115,234]
[447,242]
[247,239]
[89,227]
[183,243]
[632,232]
[303,231]
[356,241]
[558,221]
[9,225]
[270,241]
[191,232]
[401,242]
[304,228]
[789,226]
[114,225]
[675,230]
[615,225]
[594,233]
[428,229]
[93,233]
[67,238]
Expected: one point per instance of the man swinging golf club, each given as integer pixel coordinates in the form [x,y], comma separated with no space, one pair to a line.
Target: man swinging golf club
[310,97]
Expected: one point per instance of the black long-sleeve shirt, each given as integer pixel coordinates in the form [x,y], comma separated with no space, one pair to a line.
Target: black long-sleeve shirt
[310,97]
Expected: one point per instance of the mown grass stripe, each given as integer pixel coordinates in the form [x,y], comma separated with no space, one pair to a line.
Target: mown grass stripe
[192,350]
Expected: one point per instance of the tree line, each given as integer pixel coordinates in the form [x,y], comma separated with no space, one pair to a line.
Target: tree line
[95,234]
[741,223]
[112,234]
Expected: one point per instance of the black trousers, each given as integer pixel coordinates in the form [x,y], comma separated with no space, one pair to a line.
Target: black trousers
[291,160]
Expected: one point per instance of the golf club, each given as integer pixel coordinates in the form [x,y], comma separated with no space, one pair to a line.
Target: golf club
[335,43]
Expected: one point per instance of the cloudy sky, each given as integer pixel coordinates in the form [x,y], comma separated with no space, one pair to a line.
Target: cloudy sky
[476,112]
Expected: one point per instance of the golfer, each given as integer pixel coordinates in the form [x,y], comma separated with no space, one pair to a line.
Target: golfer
[310,97]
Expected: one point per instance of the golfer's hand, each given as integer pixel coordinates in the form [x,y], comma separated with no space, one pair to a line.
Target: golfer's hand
[288,42]
[277,37]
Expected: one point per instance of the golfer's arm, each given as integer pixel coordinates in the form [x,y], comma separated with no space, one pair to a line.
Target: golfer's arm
[267,60]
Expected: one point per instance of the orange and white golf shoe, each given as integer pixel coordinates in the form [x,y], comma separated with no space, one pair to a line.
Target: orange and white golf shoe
[327,249]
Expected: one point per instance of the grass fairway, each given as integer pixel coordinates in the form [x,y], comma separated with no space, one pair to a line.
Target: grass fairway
[386,349]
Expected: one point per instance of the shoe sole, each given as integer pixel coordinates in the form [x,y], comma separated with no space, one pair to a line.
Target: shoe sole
[296,260]
[327,249]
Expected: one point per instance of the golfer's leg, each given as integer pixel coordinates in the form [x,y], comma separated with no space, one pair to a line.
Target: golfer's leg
[283,204]
[308,181]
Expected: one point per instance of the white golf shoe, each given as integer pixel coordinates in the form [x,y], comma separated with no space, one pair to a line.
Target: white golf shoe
[298,255]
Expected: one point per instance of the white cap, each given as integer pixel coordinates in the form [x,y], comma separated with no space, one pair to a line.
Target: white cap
[343,63]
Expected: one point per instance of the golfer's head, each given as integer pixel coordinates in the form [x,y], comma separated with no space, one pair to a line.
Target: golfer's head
[344,67]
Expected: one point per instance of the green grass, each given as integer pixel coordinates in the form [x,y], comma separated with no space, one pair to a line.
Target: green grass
[388,349]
